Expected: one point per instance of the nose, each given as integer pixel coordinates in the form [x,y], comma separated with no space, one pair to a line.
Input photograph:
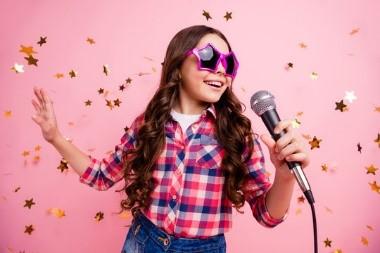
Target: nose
[220,68]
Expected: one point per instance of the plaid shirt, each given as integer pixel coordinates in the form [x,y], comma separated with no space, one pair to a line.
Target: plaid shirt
[188,200]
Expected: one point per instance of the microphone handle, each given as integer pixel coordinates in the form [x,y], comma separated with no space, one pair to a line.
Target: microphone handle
[271,119]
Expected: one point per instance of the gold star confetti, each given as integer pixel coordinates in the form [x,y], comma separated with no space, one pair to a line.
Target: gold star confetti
[377,140]
[364,241]
[354,31]
[42,41]
[228,15]
[314,75]
[298,211]
[90,41]
[324,167]
[327,242]
[36,159]
[371,169]
[328,210]
[122,87]
[125,215]
[370,228]
[341,106]
[302,45]
[338,251]
[128,80]
[99,216]
[350,96]
[25,153]
[7,114]
[57,212]
[37,148]
[301,199]
[109,104]
[101,91]
[27,50]
[315,142]
[105,69]
[63,165]
[29,203]
[59,75]
[374,187]
[289,66]
[359,148]
[31,60]
[29,229]
[88,102]
[207,15]
[117,102]
[377,108]
[17,189]
[73,74]
[18,68]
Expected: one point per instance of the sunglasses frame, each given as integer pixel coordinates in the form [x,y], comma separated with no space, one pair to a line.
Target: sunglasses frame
[222,58]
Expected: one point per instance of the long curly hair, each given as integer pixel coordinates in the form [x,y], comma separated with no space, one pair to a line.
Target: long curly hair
[233,129]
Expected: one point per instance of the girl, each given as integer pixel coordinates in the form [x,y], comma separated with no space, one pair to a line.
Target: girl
[191,156]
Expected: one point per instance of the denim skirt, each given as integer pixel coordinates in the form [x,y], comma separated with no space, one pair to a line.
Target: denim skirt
[145,237]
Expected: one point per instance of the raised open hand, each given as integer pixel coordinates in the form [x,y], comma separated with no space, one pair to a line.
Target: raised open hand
[45,116]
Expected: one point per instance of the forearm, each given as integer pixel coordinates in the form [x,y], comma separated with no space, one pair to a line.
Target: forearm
[279,196]
[78,160]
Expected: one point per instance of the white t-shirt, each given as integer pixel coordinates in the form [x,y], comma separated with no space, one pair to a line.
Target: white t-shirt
[185,120]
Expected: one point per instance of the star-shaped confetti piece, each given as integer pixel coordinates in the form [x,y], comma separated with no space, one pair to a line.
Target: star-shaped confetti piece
[338,251]
[90,41]
[122,87]
[324,167]
[109,104]
[63,166]
[314,75]
[57,212]
[364,241]
[371,169]
[31,60]
[228,15]
[302,45]
[27,50]
[301,199]
[17,189]
[29,203]
[377,108]
[117,102]
[327,242]
[18,68]
[377,140]
[7,114]
[315,142]
[73,74]
[354,31]
[106,69]
[99,216]
[29,229]
[375,187]
[207,15]
[289,66]
[59,75]
[42,41]
[101,91]
[296,123]
[128,80]
[340,106]
[350,96]
[359,148]
[25,153]
[87,102]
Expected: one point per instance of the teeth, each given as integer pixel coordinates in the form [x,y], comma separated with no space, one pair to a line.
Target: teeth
[214,83]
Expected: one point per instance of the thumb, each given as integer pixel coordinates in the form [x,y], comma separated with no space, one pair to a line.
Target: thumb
[269,142]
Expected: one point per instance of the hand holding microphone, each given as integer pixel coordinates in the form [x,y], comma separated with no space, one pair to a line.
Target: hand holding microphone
[288,144]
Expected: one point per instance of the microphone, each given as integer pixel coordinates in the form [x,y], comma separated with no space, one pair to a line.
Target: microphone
[262,103]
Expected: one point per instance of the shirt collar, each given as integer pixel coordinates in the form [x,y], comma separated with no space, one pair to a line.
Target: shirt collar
[211,109]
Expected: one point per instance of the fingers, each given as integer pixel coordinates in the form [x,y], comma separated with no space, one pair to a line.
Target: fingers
[36,106]
[283,124]
[289,150]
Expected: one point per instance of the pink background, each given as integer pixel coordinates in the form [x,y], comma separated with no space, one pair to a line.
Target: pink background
[131,37]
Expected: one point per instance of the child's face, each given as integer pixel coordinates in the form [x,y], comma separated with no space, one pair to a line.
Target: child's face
[194,88]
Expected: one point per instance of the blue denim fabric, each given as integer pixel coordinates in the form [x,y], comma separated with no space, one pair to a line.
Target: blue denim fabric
[144,237]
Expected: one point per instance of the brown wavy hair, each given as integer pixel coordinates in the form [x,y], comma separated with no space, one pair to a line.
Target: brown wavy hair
[233,129]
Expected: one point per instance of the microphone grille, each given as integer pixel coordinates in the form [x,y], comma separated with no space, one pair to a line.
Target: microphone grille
[262,101]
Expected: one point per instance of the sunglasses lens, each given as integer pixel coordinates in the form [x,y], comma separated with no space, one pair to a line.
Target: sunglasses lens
[209,57]
[231,64]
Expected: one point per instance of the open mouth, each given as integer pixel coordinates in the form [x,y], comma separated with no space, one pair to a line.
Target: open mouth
[216,84]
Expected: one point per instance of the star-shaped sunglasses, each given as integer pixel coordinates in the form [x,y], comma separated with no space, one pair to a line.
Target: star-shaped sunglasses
[209,58]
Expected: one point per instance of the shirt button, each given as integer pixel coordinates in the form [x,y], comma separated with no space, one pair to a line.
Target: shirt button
[174,197]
